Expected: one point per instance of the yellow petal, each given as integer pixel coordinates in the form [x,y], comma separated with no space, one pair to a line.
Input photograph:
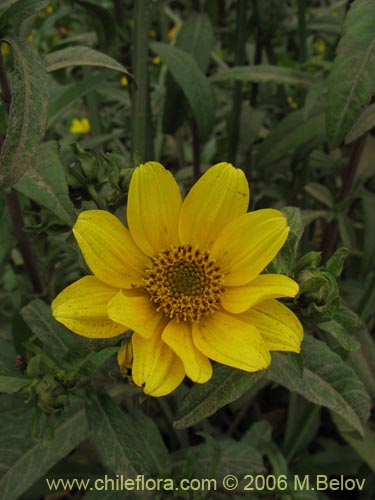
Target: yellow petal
[154,203]
[279,326]
[178,335]
[155,365]
[248,244]
[82,307]
[109,249]
[220,196]
[134,309]
[237,299]
[224,338]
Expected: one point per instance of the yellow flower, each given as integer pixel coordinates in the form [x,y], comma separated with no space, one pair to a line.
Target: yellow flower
[63,30]
[156,60]
[4,49]
[124,81]
[172,33]
[80,126]
[49,9]
[185,277]
[320,45]
[30,37]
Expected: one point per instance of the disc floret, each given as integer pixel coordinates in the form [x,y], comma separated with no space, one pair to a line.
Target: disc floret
[184,283]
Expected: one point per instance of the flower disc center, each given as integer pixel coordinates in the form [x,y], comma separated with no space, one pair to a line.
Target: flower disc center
[184,283]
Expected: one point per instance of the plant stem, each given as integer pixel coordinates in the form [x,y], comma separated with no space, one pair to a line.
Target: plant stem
[14,206]
[15,212]
[237,90]
[140,113]
[331,231]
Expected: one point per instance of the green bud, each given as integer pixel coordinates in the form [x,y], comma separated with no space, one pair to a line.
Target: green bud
[125,178]
[309,261]
[336,262]
[88,162]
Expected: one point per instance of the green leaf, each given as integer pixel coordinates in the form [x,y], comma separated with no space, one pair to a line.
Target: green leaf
[28,112]
[105,22]
[336,262]
[70,93]
[313,95]
[11,380]
[21,10]
[287,256]
[320,193]
[347,231]
[363,124]
[217,459]
[368,255]
[226,385]
[351,82]
[290,133]
[127,445]
[364,446]
[45,183]
[32,462]
[196,38]
[264,73]
[192,82]
[81,56]
[57,339]
[363,360]
[327,381]
[343,327]
[87,363]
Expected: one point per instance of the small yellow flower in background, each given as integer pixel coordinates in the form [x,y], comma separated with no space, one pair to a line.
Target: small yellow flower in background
[63,30]
[320,45]
[124,81]
[156,60]
[49,9]
[172,33]
[30,37]
[334,13]
[4,49]
[80,126]
[292,103]
[185,277]
[152,33]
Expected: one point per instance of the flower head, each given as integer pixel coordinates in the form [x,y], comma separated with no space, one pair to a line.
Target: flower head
[185,277]
[80,126]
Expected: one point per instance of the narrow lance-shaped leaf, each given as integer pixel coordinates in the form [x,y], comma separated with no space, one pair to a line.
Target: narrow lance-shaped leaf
[193,83]
[27,114]
[56,338]
[121,443]
[226,385]
[264,73]
[351,83]
[290,133]
[81,56]
[196,38]
[365,122]
[21,10]
[37,459]
[45,183]
[327,380]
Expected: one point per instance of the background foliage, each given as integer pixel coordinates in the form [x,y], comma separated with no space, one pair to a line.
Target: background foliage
[283,89]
